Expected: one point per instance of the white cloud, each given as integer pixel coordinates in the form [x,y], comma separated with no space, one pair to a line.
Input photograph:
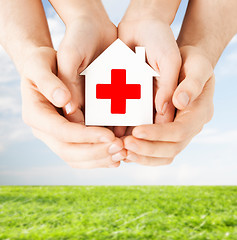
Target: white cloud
[12,129]
[7,69]
[215,136]
[129,174]
[10,104]
[2,148]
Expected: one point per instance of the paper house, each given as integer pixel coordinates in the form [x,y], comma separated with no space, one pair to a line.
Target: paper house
[119,88]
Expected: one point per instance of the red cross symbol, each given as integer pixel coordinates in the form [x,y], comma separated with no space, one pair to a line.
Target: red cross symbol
[118,91]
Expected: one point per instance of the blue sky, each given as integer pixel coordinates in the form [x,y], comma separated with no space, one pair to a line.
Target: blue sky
[210,158]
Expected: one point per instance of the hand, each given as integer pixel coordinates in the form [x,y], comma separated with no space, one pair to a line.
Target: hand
[79,146]
[85,39]
[141,26]
[158,144]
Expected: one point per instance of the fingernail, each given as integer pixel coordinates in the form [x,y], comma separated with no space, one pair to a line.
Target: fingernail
[183,99]
[114,149]
[59,96]
[117,157]
[131,146]
[105,139]
[132,157]
[68,108]
[163,111]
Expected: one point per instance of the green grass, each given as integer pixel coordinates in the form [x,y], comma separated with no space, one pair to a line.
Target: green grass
[136,212]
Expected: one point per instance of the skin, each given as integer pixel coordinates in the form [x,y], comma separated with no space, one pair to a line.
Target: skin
[201,43]
[85,39]
[158,144]
[36,62]
[147,24]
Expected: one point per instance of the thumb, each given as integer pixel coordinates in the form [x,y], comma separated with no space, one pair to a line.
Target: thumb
[69,64]
[190,87]
[53,89]
[40,68]
[194,74]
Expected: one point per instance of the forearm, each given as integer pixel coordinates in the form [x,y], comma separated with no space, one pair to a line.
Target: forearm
[209,25]
[23,28]
[162,9]
[70,10]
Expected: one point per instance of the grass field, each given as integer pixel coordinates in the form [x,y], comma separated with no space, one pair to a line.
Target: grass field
[133,212]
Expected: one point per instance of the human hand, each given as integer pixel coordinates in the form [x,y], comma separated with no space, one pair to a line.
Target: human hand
[143,26]
[78,145]
[158,144]
[88,33]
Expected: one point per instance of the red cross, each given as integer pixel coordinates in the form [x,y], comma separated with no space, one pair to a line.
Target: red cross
[118,91]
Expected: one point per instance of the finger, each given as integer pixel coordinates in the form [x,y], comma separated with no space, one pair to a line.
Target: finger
[187,126]
[121,155]
[74,156]
[111,128]
[168,115]
[76,117]
[169,65]
[73,152]
[196,71]
[40,114]
[42,74]
[148,161]
[187,123]
[70,61]
[119,131]
[129,131]
[52,88]
[153,149]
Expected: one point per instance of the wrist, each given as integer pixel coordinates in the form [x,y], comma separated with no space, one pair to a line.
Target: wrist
[21,57]
[163,10]
[80,9]
[208,48]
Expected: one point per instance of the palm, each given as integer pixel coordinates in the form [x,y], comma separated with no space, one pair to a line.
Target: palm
[161,52]
[82,43]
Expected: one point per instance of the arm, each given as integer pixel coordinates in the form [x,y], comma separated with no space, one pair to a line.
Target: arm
[88,32]
[23,28]
[25,35]
[78,9]
[209,25]
[165,10]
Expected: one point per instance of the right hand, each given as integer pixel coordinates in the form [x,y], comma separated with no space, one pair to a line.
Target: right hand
[78,145]
[196,71]
[143,26]
[158,144]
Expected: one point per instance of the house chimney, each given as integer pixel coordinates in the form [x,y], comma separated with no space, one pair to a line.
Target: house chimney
[140,52]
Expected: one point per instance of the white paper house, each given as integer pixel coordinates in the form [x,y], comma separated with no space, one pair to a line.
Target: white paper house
[119,88]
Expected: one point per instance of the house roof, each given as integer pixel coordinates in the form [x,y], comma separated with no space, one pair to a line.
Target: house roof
[121,51]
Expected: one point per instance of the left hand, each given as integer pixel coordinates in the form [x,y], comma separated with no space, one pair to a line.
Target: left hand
[141,26]
[158,144]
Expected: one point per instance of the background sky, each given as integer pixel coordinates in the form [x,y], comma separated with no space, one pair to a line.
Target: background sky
[209,159]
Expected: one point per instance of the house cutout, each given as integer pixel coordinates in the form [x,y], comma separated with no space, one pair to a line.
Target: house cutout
[119,88]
